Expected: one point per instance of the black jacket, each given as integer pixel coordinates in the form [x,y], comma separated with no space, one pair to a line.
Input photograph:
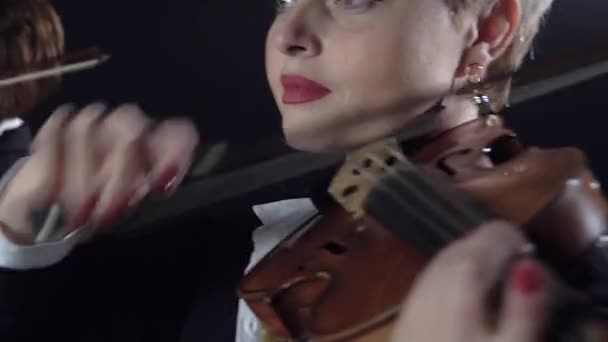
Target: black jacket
[14,144]
[176,284]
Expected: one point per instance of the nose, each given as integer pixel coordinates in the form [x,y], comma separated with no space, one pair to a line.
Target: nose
[296,33]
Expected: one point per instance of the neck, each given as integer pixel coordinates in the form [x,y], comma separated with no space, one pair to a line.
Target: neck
[458,110]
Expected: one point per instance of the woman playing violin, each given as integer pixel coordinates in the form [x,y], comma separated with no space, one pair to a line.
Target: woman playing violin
[343,73]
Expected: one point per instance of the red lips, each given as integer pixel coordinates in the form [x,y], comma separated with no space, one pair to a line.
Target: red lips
[299,89]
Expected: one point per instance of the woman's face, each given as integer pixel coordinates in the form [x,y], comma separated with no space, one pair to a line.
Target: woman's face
[344,72]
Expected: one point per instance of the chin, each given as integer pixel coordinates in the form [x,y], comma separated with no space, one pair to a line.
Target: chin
[306,141]
[311,132]
[303,143]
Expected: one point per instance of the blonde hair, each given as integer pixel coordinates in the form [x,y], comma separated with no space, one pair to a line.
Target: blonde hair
[31,34]
[533,11]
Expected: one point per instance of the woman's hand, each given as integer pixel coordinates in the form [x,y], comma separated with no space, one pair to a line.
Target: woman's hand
[449,302]
[97,164]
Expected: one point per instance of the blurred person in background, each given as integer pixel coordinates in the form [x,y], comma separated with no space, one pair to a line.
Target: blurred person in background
[31,36]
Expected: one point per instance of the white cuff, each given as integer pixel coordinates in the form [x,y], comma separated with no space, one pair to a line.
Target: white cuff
[25,257]
[42,253]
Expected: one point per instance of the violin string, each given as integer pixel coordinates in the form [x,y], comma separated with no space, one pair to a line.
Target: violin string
[424,192]
[444,227]
[466,212]
[427,203]
[427,243]
[429,220]
[447,229]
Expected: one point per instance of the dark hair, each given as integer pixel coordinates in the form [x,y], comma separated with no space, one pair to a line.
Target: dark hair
[31,34]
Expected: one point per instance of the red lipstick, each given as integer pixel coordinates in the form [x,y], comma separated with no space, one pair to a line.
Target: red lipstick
[298,89]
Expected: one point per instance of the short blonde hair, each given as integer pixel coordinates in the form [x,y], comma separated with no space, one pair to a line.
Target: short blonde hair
[533,11]
[31,34]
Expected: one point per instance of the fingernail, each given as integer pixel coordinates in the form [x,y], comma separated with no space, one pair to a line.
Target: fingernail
[167,181]
[115,211]
[105,222]
[171,186]
[98,106]
[527,277]
[138,195]
[85,211]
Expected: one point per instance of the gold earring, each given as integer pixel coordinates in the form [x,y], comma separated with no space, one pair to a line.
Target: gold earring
[475,73]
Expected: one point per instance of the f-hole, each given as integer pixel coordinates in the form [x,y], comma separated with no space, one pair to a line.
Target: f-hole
[351,190]
[335,248]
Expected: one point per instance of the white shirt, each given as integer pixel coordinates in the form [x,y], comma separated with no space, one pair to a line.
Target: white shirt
[279,219]
[10,124]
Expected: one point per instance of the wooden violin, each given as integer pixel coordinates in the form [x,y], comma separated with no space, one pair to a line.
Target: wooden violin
[344,274]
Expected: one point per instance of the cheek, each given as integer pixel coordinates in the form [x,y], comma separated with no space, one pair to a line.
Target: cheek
[374,65]
[274,63]
[397,63]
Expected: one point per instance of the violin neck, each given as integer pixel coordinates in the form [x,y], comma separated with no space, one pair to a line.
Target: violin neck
[423,210]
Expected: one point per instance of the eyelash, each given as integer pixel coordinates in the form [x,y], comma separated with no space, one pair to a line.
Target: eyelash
[367,4]
[283,5]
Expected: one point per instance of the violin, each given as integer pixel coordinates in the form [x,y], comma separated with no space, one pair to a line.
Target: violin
[343,275]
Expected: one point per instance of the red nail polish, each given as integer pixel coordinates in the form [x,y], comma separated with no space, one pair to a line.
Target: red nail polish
[167,179]
[527,277]
[138,195]
[115,211]
[86,209]
[170,186]
[105,221]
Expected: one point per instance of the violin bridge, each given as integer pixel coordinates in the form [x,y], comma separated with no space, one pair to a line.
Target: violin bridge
[360,173]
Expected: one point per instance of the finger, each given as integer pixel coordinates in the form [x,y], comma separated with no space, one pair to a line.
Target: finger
[123,172]
[460,278]
[171,147]
[484,255]
[79,193]
[124,185]
[51,131]
[452,290]
[523,316]
[122,126]
[30,190]
[38,181]
[48,155]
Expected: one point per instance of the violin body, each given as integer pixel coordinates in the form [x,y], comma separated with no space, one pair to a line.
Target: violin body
[344,274]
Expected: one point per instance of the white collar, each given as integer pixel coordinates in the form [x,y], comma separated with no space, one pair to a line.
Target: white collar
[10,124]
[274,212]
